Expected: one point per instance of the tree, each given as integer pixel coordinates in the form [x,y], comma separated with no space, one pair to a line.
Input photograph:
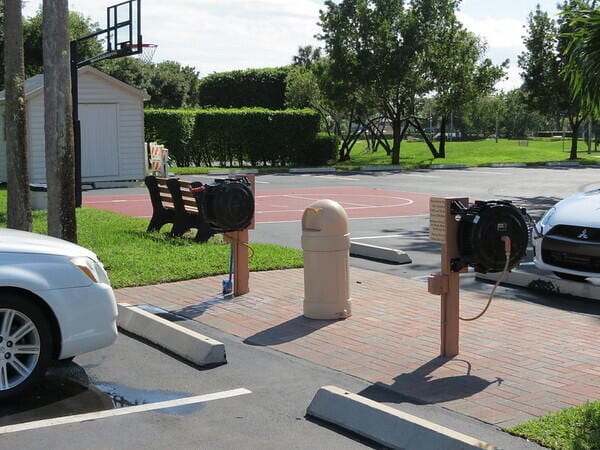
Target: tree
[19,202]
[307,56]
[583,53]
[58,121]
[459,75]
[172,85]
[79,26]
[543,63]
[378,46]
[341,109]
[131,71]
[169,84]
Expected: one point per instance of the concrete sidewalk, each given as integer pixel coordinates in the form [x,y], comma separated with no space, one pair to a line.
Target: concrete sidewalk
[521,360]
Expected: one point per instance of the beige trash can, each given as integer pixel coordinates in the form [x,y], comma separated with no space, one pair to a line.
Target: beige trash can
[326,245]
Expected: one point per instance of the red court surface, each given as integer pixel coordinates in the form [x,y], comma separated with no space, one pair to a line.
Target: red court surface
[287,205]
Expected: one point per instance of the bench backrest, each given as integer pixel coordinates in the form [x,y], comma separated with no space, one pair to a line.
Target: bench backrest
[172,193]
[181,195]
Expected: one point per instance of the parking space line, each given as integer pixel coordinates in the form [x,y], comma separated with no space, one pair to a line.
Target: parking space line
[122,411]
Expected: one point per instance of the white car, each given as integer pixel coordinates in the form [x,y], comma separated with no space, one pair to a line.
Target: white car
[55,303]
[567,239]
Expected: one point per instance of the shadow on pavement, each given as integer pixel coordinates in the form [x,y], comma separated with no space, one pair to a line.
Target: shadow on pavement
[291,330]
[421,387]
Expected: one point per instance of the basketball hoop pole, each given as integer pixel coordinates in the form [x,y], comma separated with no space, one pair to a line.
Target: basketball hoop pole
[76,123]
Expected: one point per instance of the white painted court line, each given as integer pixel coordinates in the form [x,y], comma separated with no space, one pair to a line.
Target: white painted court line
[474,172]
[103,202]
[122,411]
[421,175]
[486,173]
[382,236]
[337,177]
[350,219]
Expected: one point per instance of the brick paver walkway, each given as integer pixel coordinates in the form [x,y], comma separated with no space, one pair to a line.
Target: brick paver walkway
[519,361]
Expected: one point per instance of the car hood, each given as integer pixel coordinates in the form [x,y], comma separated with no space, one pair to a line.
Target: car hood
[581,209]
[14,241]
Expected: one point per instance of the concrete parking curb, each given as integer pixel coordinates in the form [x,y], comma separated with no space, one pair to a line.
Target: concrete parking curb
[508,165]
[449,166]
[379,253]
[563,164]
[311,170]
[389,168]
[385,425]
[185,343]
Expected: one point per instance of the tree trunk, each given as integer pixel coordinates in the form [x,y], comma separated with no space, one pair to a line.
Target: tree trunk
[442,151]
[415,122]
[19,201]
[58,123]
[575,123]
[397,129]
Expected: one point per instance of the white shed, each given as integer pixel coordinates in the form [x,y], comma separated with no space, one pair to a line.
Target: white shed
[111,114]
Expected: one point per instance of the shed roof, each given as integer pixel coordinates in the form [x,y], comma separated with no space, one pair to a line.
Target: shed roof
[35,85]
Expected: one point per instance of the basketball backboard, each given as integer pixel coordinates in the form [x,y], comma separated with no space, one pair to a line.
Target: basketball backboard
[122,35]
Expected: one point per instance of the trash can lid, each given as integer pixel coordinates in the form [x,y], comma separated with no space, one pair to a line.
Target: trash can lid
[325,217]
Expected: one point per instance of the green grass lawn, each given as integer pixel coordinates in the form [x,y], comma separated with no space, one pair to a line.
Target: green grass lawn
[572,428]
[472,153]
[135,258]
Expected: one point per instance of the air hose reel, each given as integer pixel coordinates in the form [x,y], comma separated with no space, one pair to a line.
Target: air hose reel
[480,230]
[226,204]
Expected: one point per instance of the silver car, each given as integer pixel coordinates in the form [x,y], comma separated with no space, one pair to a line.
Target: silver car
[567,239]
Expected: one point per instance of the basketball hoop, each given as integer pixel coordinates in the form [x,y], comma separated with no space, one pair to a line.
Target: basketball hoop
[145,52]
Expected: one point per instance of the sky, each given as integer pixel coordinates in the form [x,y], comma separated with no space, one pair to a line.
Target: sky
[222,35]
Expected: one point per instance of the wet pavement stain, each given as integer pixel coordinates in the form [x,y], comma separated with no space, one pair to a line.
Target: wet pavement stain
[66,390]
[123,396]
[54,396]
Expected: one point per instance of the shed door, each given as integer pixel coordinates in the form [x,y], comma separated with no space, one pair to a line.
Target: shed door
[99,139]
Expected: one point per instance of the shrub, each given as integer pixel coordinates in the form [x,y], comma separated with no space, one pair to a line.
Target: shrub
[229,136]
[244,88]
[174,129]
[323,149]
[254,135]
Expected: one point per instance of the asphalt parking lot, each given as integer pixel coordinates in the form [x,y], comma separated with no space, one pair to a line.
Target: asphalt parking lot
[272,415]
[132,373]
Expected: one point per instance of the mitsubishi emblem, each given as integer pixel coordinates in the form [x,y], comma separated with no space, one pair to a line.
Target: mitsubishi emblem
[583,234]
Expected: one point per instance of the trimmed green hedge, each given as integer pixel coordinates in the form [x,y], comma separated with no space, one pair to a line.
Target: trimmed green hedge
[324,149]
[174,129]
[244,88]
[239,136]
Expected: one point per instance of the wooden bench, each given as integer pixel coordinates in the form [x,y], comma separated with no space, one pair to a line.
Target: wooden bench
[173,201]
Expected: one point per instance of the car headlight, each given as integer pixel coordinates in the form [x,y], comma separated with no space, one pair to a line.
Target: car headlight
[546,218]
[93,269]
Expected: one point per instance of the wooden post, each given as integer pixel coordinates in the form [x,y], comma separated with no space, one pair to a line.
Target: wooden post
[241,271]
[239,242]
[443,228]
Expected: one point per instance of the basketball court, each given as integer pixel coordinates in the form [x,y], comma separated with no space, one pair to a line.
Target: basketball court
[287,205]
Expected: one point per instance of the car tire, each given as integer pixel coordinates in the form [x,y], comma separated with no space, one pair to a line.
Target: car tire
[568,276]
[25,344]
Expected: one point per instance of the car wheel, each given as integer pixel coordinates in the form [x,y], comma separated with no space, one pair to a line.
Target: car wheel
[568,276]
[25,344]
